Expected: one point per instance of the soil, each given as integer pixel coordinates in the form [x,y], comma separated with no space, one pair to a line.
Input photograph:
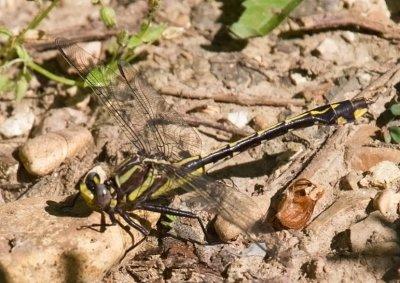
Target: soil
[199,71]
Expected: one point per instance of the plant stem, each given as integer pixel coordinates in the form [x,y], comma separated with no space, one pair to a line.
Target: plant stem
[10,63]
[52,76]
[37,19]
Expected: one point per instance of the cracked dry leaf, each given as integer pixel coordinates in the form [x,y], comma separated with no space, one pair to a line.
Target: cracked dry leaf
[297,205]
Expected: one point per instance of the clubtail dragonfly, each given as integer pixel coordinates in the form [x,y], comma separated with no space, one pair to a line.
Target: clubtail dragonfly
[168,150]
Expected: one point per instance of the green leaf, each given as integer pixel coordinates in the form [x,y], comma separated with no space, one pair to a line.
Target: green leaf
[134,41]
[4,32]
[5,83]
[395,109]
[108,16]
[153,32]
[101,76]
[395,134]
[20,88]
[23,54]
[262,16]
[147,34]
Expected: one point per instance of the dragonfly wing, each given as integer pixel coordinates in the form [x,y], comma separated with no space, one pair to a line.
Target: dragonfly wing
[143,115]
[216,196]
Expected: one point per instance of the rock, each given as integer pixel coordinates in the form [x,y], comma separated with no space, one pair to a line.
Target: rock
[298,78]
[373,236]
[348,36]
[39,245]
[239,118]
[382,175]
[44,153]
[20,123]
[387,202]
[256,208]
[262,121]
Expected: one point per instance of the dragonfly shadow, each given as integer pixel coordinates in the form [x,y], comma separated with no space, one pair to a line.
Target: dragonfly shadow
[66,209]
[258,168]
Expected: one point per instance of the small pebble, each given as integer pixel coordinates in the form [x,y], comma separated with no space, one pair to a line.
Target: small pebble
[262,121]
[298,78]
[239,118]
[387,202]
[382,175]
[20,123]
[348,36]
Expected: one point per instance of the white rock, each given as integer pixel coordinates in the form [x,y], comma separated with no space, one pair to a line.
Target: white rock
[18,124]
[298,78]
[239,119]
[348,36]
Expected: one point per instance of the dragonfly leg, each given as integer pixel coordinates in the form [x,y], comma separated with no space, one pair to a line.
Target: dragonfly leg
[111,214]
[132,223]
[173,211]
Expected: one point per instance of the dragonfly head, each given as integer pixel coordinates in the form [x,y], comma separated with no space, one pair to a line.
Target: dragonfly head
[95,193]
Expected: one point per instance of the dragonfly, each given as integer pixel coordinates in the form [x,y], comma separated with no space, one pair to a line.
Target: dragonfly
[167,154]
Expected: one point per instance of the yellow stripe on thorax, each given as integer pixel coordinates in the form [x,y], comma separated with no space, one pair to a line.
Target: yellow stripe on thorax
[144,186]
[120,180]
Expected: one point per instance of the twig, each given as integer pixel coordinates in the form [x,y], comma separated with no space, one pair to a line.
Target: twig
[195,122]
[343,20]
[49,44]
[239,99]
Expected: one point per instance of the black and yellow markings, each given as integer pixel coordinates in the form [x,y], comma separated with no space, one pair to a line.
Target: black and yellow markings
[336,113]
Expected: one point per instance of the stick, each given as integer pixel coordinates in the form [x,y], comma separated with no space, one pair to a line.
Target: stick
[195,122]
[239,99]
[343,20]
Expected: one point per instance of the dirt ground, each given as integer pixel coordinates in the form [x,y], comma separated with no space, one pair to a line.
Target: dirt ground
[328,51]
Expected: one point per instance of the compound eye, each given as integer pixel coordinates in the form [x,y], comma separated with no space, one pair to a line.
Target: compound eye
[102,196]
[92,180]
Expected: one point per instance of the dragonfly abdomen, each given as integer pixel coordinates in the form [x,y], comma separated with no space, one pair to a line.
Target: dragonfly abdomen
[337,113]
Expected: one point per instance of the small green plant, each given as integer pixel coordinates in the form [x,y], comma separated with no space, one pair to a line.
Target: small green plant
[12,49]
[392,132]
